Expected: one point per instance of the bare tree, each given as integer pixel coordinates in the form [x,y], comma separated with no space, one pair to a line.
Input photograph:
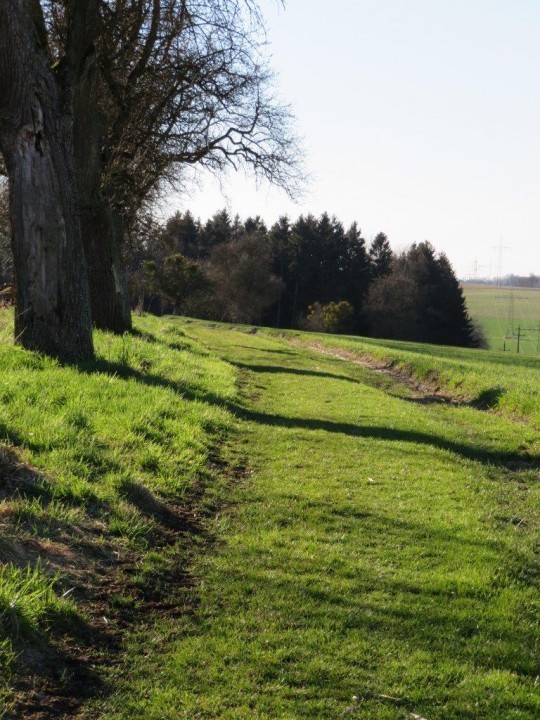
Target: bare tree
[166,84]
[52,307]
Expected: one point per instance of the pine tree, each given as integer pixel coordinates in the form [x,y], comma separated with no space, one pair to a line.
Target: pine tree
[380,256]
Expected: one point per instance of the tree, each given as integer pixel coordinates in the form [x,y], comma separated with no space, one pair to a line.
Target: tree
[391,307]
[355,273]
[279,239]
[334,317]
[181,234]
[164,86]
[216,231]
[241,274]
[52,312]
[443,310]
[181,281]
[421,300]
[380,256]
[303,267]
[6,256]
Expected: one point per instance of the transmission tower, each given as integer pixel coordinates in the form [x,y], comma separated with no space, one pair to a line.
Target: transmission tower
[500,250]
[510,333]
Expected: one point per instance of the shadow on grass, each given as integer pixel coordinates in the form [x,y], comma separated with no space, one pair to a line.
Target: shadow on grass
[428,610]
[488,398]
[378,525]
[277,352]
[447,624]
[153,507]
[469,452]
[284,370]
[181,345]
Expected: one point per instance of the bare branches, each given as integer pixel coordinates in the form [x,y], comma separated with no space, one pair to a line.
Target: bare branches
[185,83]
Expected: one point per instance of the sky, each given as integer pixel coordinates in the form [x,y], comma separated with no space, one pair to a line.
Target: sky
[419,118]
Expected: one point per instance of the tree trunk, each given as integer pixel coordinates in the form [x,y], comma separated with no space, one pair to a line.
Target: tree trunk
[106,272]
[102,230]
[52,312]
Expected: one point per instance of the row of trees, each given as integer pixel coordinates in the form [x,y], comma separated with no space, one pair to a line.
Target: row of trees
[103,103]
[313,273]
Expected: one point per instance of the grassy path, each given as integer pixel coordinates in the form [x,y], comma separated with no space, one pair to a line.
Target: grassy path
[381,549]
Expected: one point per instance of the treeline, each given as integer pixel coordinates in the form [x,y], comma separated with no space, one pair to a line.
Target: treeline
[524,281]
[313,274]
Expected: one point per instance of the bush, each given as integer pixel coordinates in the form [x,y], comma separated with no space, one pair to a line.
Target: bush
[335,317]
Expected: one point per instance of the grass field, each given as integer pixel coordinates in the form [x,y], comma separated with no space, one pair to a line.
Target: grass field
[501,311]
[306,538]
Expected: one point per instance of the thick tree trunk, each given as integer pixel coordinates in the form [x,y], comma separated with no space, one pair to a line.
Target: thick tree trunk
[52,313]
[102,231]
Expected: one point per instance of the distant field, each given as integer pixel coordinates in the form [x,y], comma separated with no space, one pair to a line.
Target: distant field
[502,311]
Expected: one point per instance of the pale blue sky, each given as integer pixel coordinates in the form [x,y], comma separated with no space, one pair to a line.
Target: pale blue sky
[420,118]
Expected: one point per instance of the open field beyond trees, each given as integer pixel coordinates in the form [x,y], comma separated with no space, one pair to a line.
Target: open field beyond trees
[501,311]
[217,522]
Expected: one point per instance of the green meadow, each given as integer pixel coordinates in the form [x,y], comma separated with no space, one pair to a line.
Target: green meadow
[230,523]
[502,311]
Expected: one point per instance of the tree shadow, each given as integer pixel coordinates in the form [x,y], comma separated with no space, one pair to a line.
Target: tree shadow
[150,505]
[282,370]
[469,452]
[429,610]
[379,525]
[438,618]
[488,398]
[374,432]
[278,352]
[432,399]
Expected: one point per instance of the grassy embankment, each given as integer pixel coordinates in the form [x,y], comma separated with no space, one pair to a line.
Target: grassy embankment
[384,550]
[489,380]
[384,547]
[106,481]
[500,311]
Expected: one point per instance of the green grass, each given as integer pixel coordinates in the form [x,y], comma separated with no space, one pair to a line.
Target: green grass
[101,465]
[500,311]
[381,549]
[500,381]
[231,526]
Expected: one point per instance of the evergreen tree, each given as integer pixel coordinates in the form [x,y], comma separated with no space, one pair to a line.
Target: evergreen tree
[279,239]
[254,226]
[380,256]
[303,266]
[355,273]
[216,231]
[181,235]
[420,300]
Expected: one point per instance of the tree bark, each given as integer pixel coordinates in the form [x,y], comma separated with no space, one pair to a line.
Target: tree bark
[102,231]
[107,279]
[52,312]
